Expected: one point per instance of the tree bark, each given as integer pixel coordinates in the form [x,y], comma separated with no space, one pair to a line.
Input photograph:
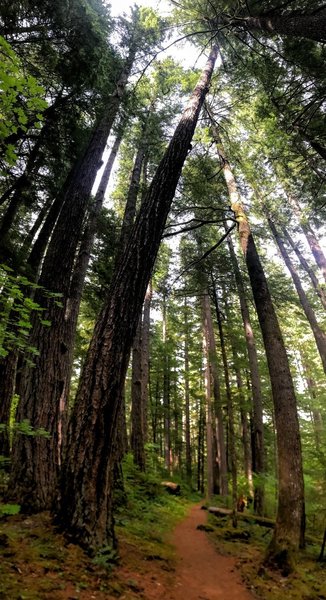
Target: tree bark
[311,26]
[231,437]
[257,405]
[218,410]
[290,521]
[319,334]
[187,394]
[145,357]
[166,393]
[312,240]
[85,507]
[35,459]
[209,417]
[137,433]
[319,290]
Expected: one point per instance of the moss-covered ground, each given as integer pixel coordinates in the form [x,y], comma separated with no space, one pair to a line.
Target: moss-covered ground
[38,563]
[248,544]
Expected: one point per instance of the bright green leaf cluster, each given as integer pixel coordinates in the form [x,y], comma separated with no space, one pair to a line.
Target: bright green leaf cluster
[21,101]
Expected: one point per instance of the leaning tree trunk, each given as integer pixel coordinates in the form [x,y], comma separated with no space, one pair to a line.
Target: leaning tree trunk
[85,508]
[290,520]
[312,240]
[257,405]
[311,26]
[36,459]
[319,334]
[319,290]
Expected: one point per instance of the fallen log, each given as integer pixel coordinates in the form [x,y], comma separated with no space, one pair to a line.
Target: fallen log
[263,522]
[247,517]
[171,488]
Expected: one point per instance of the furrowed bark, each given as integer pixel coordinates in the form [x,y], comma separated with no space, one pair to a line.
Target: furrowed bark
[311,26]
[36,459]
[290,521]
[87,473]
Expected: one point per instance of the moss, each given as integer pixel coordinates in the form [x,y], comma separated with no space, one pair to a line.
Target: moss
[282,556]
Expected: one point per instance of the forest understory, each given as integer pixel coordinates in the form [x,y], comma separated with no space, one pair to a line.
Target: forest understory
[38,563]
[162,297]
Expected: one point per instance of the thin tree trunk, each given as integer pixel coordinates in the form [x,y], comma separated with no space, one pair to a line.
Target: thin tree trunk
[166,393]
[187,394]
[290,520]
[319,335]
[200,448]
[137,433]
[86,494]
[220,434]
[145,357]
[233,457]
[319,290]
[257,408]
[247,455]
[209,416]
[313,242]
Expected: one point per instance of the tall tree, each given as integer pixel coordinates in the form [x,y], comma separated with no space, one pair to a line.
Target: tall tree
[55,342]
[319,334]
[290,521]
[87,470]
[258,432]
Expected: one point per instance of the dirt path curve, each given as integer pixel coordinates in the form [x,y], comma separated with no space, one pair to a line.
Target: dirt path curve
[201,573]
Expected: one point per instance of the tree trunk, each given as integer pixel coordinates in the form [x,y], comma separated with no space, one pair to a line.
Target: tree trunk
[311,26]
[319,290]
[145,356]
[290,521]
[257,405]
[86,493]
[218,410]
[166,393]
[131,203]
[319,335]
[209,418]
[231,437]
[36,459]
[313,242]
[187,394]
[137,433]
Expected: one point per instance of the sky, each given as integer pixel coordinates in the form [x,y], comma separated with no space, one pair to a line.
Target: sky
[183,52]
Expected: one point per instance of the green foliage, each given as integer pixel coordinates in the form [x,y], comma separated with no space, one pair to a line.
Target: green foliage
[9,509]
[16,310]
[22,101]
[144,509]
[106,558]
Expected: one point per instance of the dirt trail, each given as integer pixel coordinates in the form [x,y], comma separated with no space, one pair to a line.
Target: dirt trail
[201,573]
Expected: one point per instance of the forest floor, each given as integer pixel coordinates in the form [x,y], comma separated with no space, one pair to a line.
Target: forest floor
[36,563]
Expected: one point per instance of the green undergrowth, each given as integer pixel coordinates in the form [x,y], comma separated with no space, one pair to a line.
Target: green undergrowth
[146,512]
[37,563]
[248,543]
